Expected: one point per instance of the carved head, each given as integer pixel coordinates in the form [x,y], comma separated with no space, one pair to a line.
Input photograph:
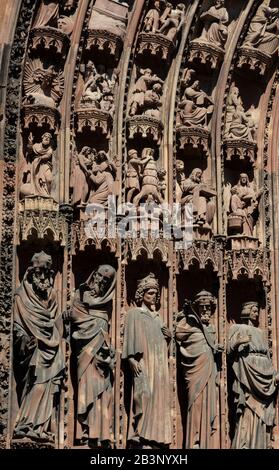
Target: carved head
[205,305]
[132,154]
[196,175]
[179,166]
[40,274]
[46,139]
[250,311]
[219,3]
[102,279]
[181,7]
[146,72]
[243,179]
[148,292]
[157,87]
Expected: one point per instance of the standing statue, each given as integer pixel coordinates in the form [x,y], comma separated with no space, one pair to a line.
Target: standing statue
[240,124]
[56,14]
[152,101]
[244,203]
[151,181]
[255,382]
[195,336]
[263,33]
[144,82]
[37,172]
[152,19]
[82,167]
[172,20]
[145,348]
[38,355]
[90,317]
[194,191]
[133,174]
[215,21]
[195,106]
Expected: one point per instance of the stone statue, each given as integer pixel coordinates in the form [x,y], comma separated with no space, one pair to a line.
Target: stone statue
[194,191]
[152,19]
[172,20]
[263,33]
[57,14]
[99,87]
[215,20]
[133,171]
[93,177]
[42,86]
[144,82]
[91,314]
[255,382]
[195,106]
[150,182]
[145,348]
[240,124]
[243,205]
[38,355]
[152,101]
[37,172]
[195,336]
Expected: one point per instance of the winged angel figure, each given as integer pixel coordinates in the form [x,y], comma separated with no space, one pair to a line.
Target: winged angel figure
[43,86]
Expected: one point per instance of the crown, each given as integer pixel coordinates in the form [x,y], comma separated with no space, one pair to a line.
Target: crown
[148,282]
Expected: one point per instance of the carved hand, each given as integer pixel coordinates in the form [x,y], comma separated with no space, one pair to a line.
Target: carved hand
[166,332]
[135,366]
[277,378]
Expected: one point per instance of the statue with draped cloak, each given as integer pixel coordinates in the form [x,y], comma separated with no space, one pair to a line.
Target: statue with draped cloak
[215,21]
[263,33]
[91,314]
[255,382]
[146,349]
[195,336]
[38,355]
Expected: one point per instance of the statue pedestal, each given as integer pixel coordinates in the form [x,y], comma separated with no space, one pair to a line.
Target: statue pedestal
[155,45]
[196,137]
[205,53]
[241,242]
[40,116]
[105,41]
[94,119]
[201,232]
[255,60]
[146,127]
[240,149]
[49,39]
[26,443]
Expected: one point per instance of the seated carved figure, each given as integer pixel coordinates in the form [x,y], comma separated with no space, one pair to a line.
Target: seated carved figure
[240,124]
[215,30]
[263,33]
[255,381]
[194,191]
[195,106]
[145,82]
[243,205]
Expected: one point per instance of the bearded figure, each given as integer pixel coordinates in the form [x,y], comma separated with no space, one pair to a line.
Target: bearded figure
[39,361]
[91,316]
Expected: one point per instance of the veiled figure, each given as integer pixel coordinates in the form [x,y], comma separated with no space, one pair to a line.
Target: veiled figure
[215,21]
[195,106]
[263,33]
[195,336]
[91,316]
[38,355]
[255,382]
[145,347]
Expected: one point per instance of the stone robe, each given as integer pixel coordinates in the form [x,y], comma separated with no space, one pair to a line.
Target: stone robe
[41,368]
[150,410]
[254,388]
[197,349]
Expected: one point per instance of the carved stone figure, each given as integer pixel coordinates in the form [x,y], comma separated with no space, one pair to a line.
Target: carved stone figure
[255,382]
[263,33]
[172,20]
[38,355]
[243,205]
[152,18]
[195,336]
[150,182]
[215,30]
[133,171]
[98,89]
[93,177]
[194,191]
[56,14]
[42,86]
[144,82]
[145,348]
[91,316]
[152,101]
[37,171]
[240,124]
[195,106]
